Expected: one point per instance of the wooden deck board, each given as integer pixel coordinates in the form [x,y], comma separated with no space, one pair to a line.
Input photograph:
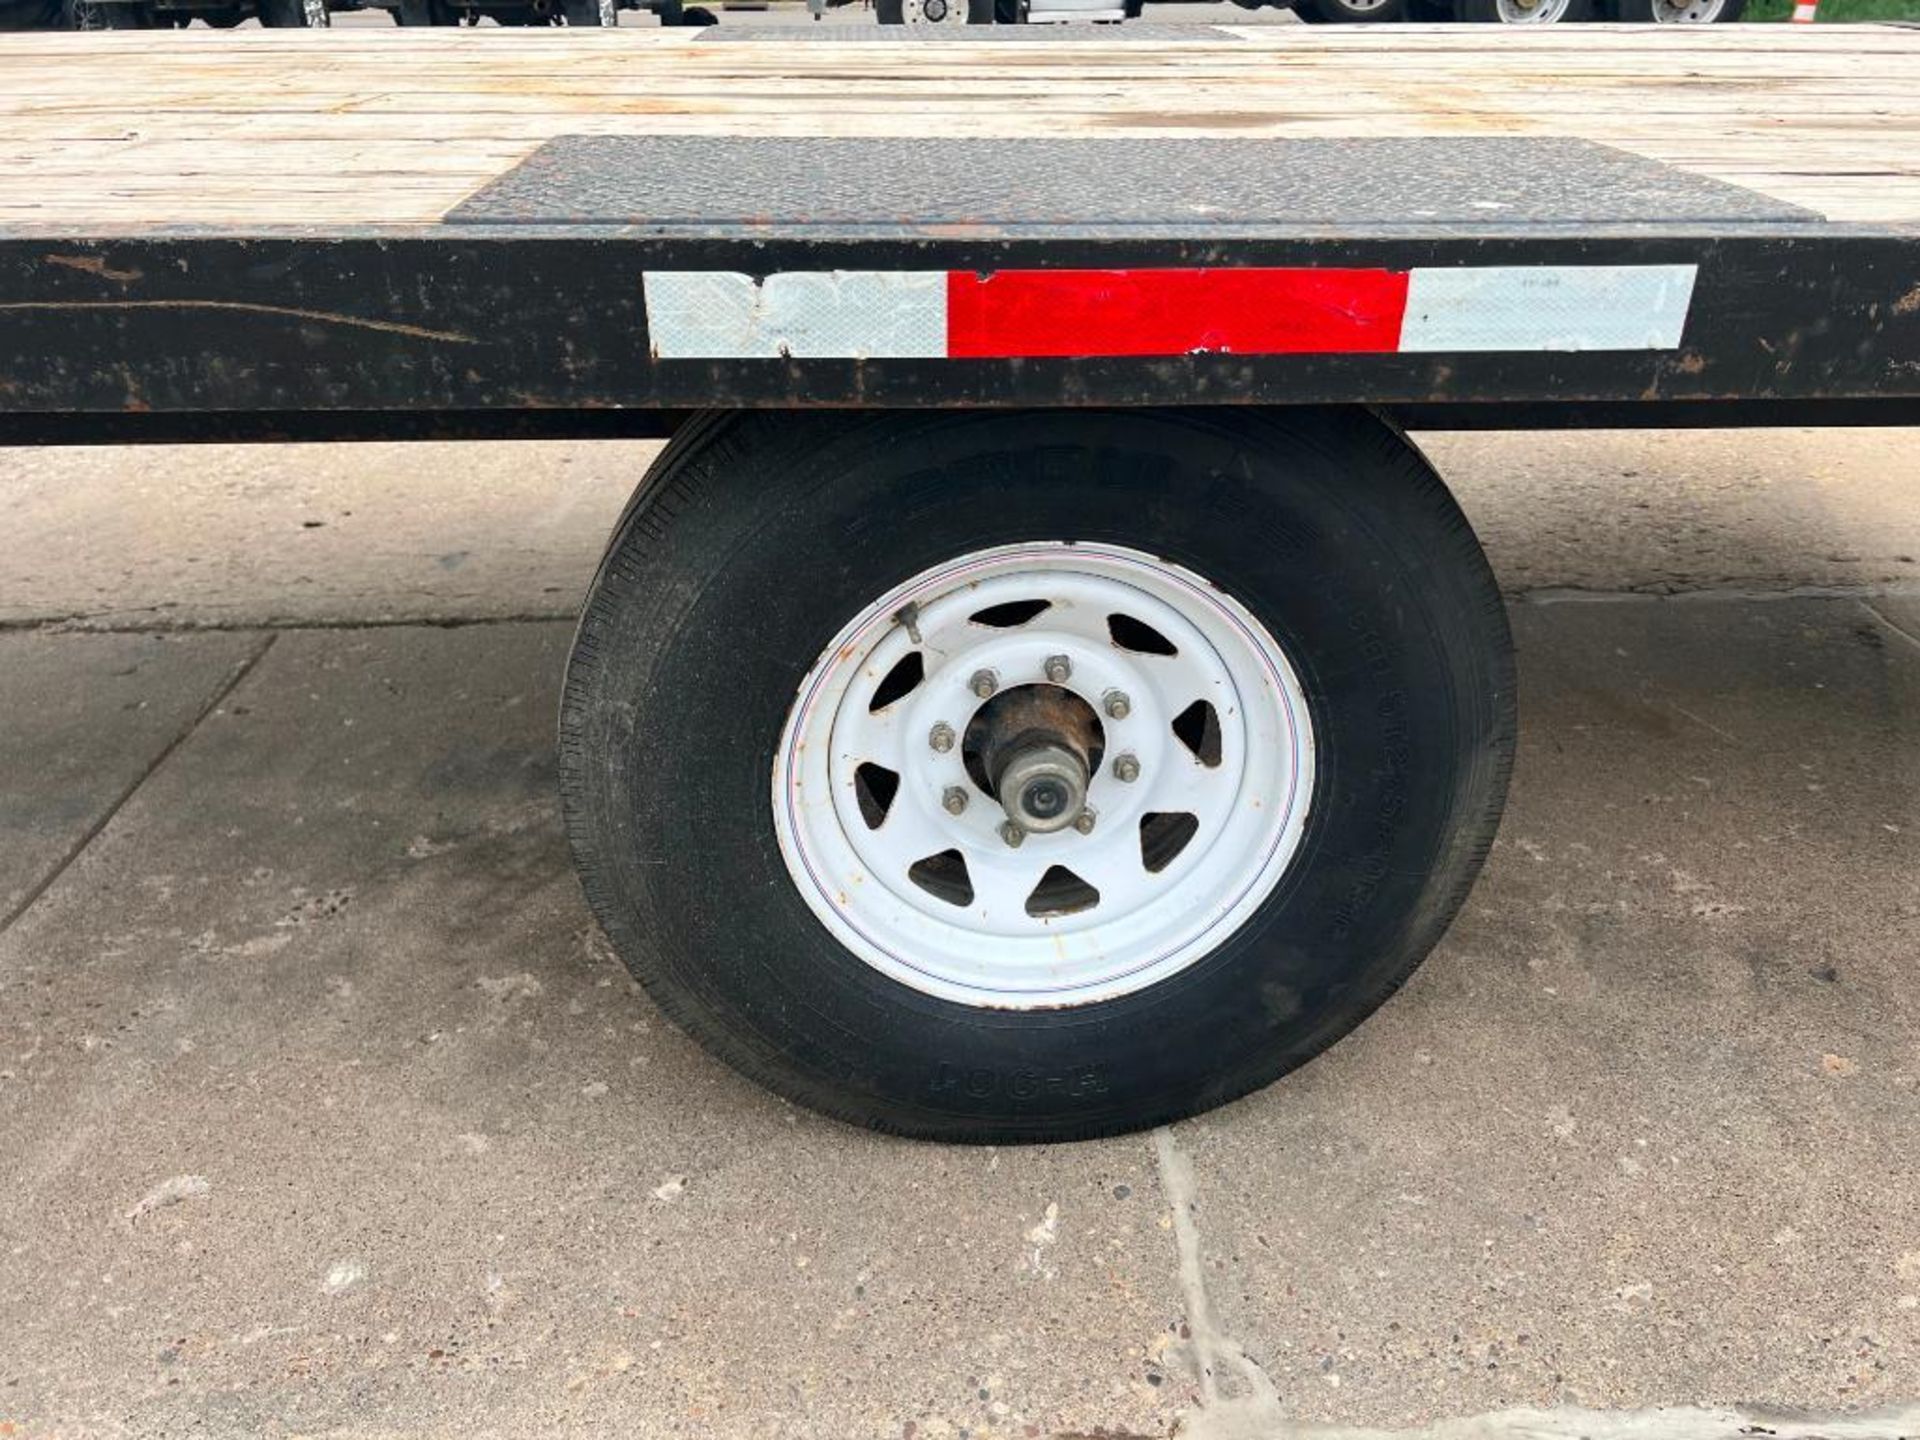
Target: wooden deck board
[106,134]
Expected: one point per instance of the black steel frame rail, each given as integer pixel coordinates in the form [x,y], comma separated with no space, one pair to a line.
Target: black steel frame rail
[520,330]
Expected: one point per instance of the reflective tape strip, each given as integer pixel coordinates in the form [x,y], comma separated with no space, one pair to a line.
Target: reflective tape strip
[1302,310]
[831,315]
[1547,307]
[1174,312]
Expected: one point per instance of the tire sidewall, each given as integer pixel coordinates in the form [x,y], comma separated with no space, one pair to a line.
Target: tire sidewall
[697,640]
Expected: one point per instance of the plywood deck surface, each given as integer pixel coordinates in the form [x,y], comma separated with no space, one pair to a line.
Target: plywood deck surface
[116,134]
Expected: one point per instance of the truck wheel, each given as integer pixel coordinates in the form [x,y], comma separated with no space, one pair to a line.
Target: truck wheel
[1351,12]
[1018,777]
[1679,12]
[108,15]
[1524,12]
[934,12]
[295,14]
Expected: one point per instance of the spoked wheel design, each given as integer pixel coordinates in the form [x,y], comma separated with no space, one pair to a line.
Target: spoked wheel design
[1044,774]
[1026,776]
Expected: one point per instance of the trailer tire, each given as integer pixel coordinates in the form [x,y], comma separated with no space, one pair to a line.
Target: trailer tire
[295,14]
[739,592]
[31,14]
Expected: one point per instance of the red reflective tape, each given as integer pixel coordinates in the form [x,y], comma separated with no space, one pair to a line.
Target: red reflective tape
[1173,312]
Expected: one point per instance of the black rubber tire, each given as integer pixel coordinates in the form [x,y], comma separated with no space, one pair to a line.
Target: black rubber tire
[698,16]
[291,15]
[424,12]
[1338,12]
[32,14]
[593,14]
[755,537]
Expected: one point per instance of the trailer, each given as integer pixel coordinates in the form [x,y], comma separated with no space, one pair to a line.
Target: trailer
[1040,690]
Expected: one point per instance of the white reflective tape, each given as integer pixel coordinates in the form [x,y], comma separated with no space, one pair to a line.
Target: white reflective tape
[1547,307]
[826,315]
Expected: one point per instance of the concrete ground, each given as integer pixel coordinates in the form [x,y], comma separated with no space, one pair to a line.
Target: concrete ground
[325,1111]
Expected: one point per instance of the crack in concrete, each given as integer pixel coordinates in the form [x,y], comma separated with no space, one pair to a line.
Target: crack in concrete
[1580,595]
[106,817]
[1679,1422]
[83,623]
[1894,625]
[1237,1400]
[96,623]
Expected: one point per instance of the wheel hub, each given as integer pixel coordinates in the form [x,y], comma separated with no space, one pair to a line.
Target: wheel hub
[1034,749]
[1043,788]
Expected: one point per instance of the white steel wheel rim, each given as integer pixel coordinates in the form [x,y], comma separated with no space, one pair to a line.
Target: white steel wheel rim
[1687,12]
[1534,12]
[1248,808]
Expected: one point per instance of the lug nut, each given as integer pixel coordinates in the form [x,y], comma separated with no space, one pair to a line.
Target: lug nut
[941,738]
[1012,834]
[984,683]
[1083,822]
[1117,704]
[954,799]
[1126,769]
[1059,669]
